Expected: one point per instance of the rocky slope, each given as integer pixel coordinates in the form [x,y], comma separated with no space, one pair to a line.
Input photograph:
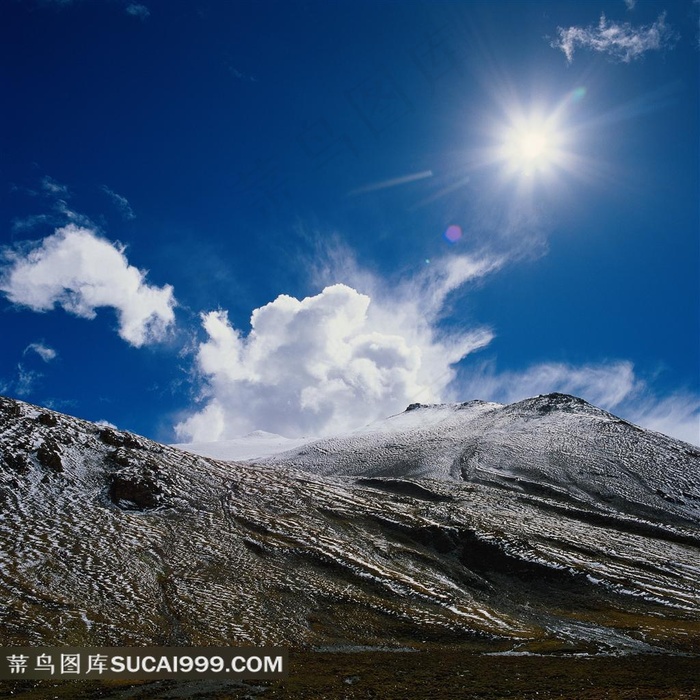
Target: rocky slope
[547,525]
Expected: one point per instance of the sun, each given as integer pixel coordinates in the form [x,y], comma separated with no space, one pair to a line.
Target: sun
[530,146]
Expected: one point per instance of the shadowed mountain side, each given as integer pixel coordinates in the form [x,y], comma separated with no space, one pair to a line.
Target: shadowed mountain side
[109,539]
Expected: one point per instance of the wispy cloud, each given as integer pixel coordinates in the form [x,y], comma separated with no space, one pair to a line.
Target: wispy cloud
[57,195]
[333,361]
[619,40]
[25,380]
[60,215]
[136,9]
[55,3]
[21,383]
[78,270]
[391,182]
[631,4]
[605,385]
[677,415]
[28,223]
[44,351]
[613,386]
[122,203]
[240,75]
[106,424]
[68,214]
[50,186]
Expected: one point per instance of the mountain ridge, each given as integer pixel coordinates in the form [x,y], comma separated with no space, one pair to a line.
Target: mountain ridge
[110,539]
[536,443]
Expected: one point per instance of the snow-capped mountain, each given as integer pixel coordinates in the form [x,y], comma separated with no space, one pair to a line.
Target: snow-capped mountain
[543,525]
[555,445]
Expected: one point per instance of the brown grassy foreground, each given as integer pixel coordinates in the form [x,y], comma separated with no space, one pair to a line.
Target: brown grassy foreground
[434,675]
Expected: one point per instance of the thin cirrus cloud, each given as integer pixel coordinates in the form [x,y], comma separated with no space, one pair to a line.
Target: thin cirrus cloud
[79,271]
[613,386]
[25,381]
[51,187]
[677,415]
[45,352]
[22,382]
[120,202]
[58,195]
[619,40]
[605,385]
[333,361]
[136,9]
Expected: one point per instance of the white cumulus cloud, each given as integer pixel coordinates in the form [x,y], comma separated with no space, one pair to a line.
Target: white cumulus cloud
[80,271]
[620,40]
[333,361]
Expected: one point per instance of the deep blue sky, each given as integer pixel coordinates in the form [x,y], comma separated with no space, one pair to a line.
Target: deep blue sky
[232,150]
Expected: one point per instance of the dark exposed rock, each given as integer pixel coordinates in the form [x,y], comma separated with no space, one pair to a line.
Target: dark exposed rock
[47,419]
[9,408]
[49,456]
[16,461]
[134,491]
[119,439]
[118,458]
[137,484]
[556,401]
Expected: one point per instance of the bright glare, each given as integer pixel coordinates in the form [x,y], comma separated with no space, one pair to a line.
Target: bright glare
[529,147]
[532,145]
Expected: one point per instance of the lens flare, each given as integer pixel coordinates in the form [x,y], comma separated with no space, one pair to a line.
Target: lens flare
[453,233]
[577,95]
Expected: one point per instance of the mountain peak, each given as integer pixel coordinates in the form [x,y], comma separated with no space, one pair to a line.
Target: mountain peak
[507,529]
[555,400]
